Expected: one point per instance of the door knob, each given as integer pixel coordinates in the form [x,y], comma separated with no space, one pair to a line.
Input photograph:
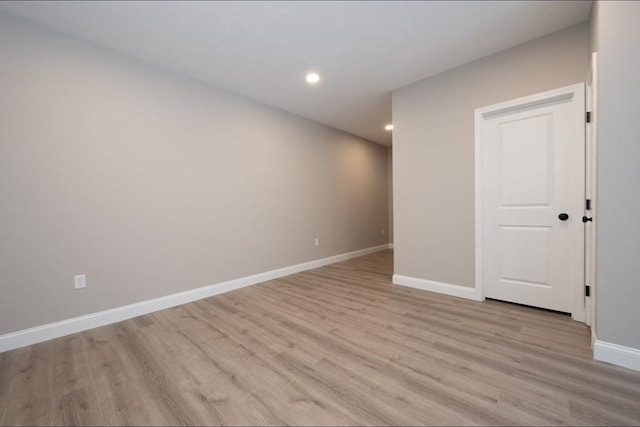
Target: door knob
[563,216]
[585,219]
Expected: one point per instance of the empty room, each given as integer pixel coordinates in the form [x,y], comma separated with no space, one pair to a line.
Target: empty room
[319,213]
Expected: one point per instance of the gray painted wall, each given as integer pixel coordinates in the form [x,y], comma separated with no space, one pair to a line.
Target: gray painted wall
[152,184]
[433,144]
[616,37]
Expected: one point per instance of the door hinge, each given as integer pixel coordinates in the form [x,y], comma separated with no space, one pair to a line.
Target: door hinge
[587,205]
[587,290]
[588,116]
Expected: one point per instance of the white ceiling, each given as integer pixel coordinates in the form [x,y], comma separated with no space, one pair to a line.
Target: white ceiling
[363,50]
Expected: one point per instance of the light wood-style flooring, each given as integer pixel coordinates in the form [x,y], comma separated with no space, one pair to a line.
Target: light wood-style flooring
[339,345]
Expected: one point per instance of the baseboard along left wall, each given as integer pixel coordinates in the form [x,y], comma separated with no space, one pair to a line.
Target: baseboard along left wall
[53,330]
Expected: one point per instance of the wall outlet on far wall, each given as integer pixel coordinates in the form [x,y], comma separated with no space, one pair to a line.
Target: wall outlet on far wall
[80,281]
[317,241]
[382,231]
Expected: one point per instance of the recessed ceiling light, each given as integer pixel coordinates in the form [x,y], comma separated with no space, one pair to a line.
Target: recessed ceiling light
[313,78]
[388,127]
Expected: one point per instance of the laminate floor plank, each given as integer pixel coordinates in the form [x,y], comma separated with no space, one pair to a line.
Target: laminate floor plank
[405,329]
[433,370]
[307,342]
[338,345]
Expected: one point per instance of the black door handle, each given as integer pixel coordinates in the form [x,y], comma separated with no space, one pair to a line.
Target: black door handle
[563,216]
[585,219]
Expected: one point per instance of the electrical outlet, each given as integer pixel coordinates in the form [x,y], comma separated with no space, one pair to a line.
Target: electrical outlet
[382,231]
[80,281]
[317,242]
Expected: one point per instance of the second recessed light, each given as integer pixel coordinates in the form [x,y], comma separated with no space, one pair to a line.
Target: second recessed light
[313,78]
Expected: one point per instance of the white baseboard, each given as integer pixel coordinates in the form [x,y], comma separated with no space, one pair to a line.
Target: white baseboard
[438,287]
[627,357]
[390,245]
[49,331]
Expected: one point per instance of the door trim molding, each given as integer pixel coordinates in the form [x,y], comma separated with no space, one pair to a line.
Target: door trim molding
[575,92]
[591,172]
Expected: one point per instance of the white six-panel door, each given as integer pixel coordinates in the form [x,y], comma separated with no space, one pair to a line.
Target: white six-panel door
[530,251]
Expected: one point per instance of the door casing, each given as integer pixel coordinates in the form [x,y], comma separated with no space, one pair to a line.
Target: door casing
[591,142]
[576,93]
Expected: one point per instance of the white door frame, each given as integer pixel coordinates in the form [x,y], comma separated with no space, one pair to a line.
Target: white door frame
[591,190]
[576,94]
